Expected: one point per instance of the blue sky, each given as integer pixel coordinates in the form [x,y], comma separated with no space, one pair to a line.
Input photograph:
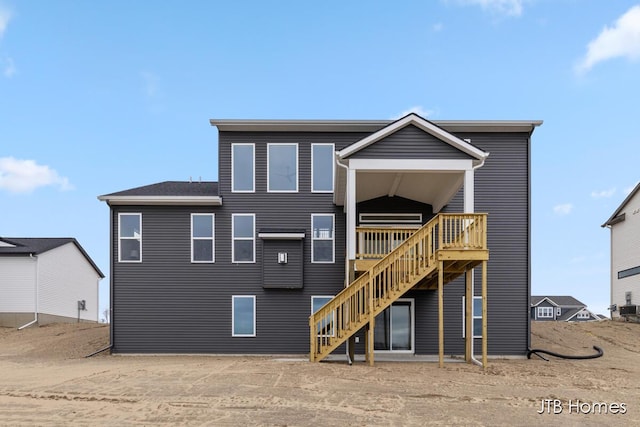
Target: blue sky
[98,97]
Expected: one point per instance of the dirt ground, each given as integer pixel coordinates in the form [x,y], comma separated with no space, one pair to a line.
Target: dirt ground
[45,380]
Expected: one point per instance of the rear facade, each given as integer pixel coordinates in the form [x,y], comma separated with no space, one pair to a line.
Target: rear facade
[303,210]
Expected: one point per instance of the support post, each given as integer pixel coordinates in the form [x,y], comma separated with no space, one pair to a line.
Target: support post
[351,214]
[468,316]
[372,324]
[312,340]
[440,314]
[484,315]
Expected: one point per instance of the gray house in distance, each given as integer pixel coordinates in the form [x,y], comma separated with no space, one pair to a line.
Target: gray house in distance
[409,236]
[562,308]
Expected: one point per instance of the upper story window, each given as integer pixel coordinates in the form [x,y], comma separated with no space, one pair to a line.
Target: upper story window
[322,236]
[322,168]
[244,241]
[243,168]
[202,238]
[282,165]
[130,237]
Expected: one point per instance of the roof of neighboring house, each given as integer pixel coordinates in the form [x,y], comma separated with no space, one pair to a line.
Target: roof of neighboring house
[168,193]
[570,314]
[38,245]
[616,217]
[557,300]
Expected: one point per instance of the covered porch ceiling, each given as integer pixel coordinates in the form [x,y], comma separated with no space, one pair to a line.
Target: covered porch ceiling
[433,188]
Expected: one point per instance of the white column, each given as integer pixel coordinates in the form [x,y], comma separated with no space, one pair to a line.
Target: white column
[468,191]
[351,213]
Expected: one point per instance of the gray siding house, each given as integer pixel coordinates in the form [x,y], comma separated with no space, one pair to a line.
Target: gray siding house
[380,229]
[561,308]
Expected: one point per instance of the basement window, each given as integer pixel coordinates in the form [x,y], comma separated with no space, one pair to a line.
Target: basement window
[477,317]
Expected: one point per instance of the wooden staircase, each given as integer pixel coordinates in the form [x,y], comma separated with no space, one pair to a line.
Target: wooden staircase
[438,252]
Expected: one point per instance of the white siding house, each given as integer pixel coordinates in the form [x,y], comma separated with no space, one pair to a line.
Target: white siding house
[44,280]
[625,257]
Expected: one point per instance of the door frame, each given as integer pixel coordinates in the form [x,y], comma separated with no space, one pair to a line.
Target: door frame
[412,311]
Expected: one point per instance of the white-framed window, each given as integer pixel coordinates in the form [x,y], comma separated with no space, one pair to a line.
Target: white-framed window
[583,315]
[243,249]
[243,166]
[322,168]
[243,316]
[202,237]
[325,329]
[477,317]
[545,312]
[558,311]
[129,237]
[282,168]
[322,238]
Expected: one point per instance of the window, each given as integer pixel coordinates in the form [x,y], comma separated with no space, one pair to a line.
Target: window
[243,316]
[243,168]
[545,312]
[322,245]
[282,165]
[322,168]
[326,327]
[244,241]
[202,238]
[583,315]
[627,298]
[628,272]
[130,237]
[477,317]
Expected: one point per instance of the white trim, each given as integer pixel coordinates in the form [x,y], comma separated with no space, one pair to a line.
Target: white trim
[474,316]
[333,167]
[332,239]
[163,200]
[259,125]
[394,218]
[281,236]
[550,302]
[541,315]
[212,238]
[469,191]
[411,165]
[269,145]
[351,214]
[419,122]
[413,328]
[233,315]
[329,297]
[253,178]
[120,238]
[233,238]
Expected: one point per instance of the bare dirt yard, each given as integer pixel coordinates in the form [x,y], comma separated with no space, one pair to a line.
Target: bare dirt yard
[46,380]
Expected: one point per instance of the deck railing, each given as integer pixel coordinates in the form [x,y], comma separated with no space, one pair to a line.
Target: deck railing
[391,277]
[376,242]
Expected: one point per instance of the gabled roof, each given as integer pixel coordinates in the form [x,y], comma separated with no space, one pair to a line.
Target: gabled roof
[616,217]
[558,301]
[570,314]
[420,123]
[39,245]
[168,193]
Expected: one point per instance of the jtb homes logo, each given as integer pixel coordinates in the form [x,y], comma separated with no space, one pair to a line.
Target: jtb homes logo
[557,406]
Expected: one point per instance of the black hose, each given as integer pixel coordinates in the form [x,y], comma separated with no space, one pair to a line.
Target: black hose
[535,351]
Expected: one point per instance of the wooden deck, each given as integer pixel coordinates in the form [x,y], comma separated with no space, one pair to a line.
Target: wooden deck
[427,258]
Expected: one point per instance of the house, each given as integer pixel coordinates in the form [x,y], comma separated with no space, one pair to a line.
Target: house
[332,236]
[624,224]
[562,308]
[45,280]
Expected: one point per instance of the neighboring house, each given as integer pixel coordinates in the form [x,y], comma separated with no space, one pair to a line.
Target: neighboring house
[562,308]
[45,280]
[625,257]
[304,208]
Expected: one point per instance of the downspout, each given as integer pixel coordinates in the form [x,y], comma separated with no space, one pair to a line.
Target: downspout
[473,280]
[35,313]
[346,258]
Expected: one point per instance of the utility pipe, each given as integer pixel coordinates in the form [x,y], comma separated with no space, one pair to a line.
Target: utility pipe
[35,313]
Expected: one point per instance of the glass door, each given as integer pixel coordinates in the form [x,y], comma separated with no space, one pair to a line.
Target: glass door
[394,328]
